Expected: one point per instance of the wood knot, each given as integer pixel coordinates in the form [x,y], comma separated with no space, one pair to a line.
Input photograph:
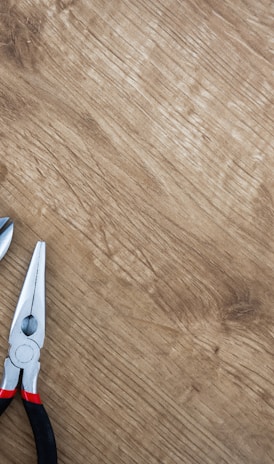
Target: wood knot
[241,311]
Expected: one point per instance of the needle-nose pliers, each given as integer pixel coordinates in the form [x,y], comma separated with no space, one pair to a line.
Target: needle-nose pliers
[26,338]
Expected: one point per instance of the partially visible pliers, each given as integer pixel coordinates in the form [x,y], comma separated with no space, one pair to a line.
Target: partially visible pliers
[6,233]
[26,338]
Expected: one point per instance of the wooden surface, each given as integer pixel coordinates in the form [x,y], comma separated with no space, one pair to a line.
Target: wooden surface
[136,139]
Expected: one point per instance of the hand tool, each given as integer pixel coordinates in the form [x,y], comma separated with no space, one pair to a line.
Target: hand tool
[6,233]
[26,338]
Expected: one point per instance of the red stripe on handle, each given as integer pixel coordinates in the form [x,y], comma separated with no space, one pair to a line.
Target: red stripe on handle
[7,393]
[31,397]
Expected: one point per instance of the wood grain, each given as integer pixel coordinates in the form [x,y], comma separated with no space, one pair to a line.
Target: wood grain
[136,138]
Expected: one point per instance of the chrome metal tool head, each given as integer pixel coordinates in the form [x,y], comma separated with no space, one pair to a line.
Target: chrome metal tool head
[29,317]
[27,331]
[6,233]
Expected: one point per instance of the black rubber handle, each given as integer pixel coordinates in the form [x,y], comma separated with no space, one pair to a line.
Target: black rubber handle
[4,402]
[43,433]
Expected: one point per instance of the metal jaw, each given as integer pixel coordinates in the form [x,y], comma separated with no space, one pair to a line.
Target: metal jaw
[28,327]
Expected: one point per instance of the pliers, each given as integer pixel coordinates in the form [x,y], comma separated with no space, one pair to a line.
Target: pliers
[6,233]
[26,338]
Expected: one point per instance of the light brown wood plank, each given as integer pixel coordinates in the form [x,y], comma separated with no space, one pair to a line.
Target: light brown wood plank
[136,139]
